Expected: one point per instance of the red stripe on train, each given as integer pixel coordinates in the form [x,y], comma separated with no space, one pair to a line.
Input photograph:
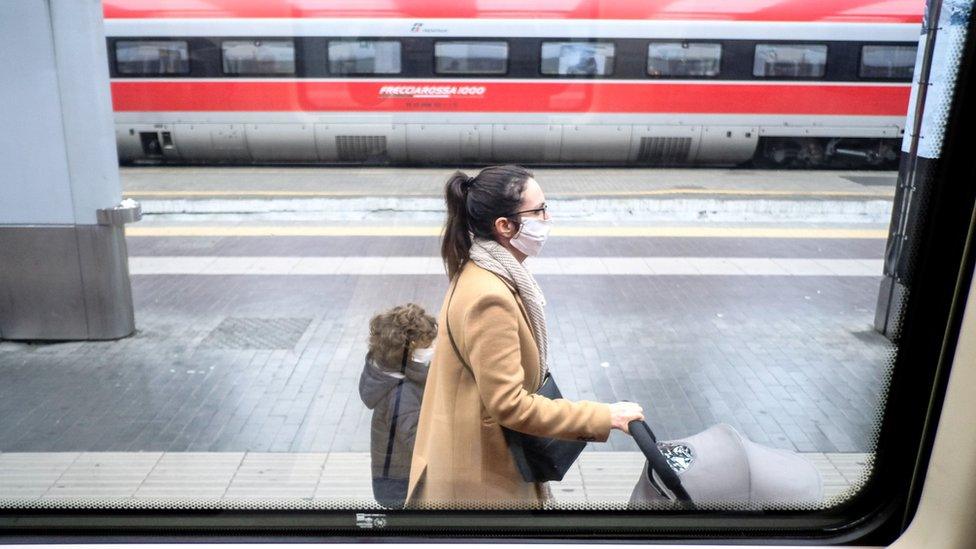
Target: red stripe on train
[879,11]
[545,97]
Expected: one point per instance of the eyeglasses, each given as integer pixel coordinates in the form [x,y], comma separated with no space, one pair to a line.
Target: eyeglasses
[543,209]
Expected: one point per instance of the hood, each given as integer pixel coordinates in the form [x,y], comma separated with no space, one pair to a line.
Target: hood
[375,384]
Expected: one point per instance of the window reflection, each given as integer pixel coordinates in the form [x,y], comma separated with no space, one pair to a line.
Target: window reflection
[808,60]
[471,57]
[258,56]
[887,62]
[578,58]
[364,57]
[683,59]
[151,57]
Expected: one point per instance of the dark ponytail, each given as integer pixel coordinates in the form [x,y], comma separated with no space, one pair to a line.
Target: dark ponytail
[456,242]
[473,205]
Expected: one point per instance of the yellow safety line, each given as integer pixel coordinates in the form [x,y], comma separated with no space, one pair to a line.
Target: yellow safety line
[244,194]
[555,194]
[730,192]
[575,232]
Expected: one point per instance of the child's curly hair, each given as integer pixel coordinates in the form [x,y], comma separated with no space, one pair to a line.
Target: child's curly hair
[392,330]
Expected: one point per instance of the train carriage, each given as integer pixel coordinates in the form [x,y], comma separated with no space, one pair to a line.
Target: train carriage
[784,83]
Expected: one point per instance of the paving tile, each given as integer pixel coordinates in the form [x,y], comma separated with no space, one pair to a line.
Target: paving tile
[626,266]
[671,266]
[581,265]
[272,265]
[317,265]
[176,264]
[598,477]
[230,265]
[758,266]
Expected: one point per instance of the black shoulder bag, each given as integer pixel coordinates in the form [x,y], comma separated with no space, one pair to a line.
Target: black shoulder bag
[539,459]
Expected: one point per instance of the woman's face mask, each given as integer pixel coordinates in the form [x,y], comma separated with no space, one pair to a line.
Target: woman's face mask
[532,236]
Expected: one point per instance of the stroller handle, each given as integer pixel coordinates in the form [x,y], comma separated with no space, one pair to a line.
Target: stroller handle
[647,442]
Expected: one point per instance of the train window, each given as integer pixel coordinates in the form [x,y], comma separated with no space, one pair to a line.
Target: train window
[884,61]
[226,304]
[469,57]
[683,59]
[578,58]
[798,60]
[364,57]
[258,56]
[152,57]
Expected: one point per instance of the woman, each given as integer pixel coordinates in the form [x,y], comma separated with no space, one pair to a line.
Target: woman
[494,306]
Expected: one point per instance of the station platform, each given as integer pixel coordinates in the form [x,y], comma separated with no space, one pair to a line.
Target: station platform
[154,183]
[587,196]
[230,480]
[256,343]
[252,321]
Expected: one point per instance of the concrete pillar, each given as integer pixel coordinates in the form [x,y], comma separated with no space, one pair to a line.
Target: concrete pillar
[63,259]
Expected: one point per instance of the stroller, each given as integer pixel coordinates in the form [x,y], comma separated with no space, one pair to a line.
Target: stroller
[718,467]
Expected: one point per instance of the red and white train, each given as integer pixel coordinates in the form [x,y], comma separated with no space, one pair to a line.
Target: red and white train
[612,82]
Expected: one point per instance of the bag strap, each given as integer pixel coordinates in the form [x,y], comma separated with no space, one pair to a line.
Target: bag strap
[447,321]
[396,413]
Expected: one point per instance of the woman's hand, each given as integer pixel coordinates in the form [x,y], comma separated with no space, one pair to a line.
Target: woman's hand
[622,413]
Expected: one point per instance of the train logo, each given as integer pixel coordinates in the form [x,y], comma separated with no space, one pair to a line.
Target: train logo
[443,92]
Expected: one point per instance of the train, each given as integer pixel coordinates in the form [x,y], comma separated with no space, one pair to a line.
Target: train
[781,83]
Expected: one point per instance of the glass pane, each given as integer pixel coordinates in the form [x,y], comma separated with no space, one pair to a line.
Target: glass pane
[152,57]
[683,59]
[285,211]
[259,56]
[364,57]
[568,58]
[888,62]
[806,60]
[471,57]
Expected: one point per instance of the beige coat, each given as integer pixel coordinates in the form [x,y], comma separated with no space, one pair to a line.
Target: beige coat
[460,456]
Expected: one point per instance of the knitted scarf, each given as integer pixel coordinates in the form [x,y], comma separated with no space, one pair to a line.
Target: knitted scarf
[492,256]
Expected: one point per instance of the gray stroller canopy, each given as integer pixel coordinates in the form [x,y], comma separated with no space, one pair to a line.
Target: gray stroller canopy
[720,467]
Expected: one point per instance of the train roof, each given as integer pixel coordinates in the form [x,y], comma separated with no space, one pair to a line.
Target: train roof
[860,11]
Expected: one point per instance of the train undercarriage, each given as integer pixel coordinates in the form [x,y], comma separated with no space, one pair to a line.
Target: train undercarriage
[390,145]
[833,152]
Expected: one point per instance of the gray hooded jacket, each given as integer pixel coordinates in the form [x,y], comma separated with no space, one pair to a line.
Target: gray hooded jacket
[378,389]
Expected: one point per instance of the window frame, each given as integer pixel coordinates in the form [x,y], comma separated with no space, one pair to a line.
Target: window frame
[860,62]
[874,516]
[116,66]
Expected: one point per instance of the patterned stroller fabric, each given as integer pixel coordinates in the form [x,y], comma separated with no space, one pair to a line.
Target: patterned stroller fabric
[720,467]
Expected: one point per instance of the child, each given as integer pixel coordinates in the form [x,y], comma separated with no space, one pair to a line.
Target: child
[392,385]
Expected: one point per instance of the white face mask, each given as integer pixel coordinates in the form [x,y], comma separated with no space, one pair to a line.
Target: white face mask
[423,355]
[532,236]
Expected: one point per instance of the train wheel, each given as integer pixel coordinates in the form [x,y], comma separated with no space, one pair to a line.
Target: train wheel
[811,153]
[790,153]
